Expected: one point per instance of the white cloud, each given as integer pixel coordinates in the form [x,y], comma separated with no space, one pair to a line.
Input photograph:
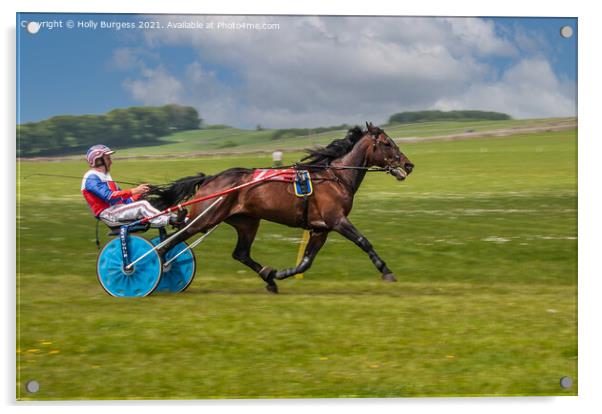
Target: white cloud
[215,100]
[529,89]
[153,86]
[157,87]
[479,37]
[125,58]
[330,70]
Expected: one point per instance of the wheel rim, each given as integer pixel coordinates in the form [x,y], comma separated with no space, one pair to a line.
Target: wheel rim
[178,275]
[141,280]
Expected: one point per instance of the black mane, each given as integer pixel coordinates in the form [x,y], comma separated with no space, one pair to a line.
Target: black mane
[336,149]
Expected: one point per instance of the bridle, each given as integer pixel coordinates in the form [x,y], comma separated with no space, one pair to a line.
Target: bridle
[298,166]
[375,136]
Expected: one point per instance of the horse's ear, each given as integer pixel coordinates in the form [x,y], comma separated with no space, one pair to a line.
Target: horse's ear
[367,126]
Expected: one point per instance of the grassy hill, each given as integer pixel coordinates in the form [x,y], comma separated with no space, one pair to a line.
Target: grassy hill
[228,139]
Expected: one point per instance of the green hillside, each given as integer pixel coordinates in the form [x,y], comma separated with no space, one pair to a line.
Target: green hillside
[242,140]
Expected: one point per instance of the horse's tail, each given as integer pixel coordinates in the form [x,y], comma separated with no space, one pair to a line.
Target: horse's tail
[168,195]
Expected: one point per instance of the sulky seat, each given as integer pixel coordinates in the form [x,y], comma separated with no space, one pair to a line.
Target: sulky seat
[114,227]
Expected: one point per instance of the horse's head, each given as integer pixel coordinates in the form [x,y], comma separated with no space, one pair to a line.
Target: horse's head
[386,154]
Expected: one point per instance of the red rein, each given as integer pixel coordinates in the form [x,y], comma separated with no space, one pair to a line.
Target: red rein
[210,196]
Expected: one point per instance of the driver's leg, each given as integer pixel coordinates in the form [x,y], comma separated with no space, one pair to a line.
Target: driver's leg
[124,213]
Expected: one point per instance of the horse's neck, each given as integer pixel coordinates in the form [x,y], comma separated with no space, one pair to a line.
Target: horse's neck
[354,158]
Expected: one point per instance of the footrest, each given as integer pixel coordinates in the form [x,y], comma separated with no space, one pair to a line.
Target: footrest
[139,228]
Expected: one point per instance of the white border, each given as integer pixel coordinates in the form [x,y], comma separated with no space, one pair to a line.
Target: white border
[589,206]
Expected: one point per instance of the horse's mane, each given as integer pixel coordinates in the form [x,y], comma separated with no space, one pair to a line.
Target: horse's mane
[336,149]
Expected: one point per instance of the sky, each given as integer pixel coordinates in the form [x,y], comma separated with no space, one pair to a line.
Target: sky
[294,71]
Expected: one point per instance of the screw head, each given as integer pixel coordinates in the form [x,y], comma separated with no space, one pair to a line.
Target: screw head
[566,382]
[32,386]
[566,31]
[33,27]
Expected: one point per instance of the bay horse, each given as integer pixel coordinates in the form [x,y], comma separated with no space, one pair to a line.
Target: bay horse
[337,171]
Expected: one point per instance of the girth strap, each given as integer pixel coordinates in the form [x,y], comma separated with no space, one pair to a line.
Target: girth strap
[305,208]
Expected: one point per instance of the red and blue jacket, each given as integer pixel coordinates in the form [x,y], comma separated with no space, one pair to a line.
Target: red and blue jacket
[101,192]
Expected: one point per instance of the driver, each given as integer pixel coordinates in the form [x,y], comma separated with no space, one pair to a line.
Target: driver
[110,203]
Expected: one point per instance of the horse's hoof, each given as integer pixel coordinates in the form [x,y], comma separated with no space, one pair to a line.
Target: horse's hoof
[273,288]
[389,277]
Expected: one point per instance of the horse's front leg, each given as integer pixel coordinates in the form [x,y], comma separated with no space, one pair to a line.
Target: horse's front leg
[348,230]
[315,243]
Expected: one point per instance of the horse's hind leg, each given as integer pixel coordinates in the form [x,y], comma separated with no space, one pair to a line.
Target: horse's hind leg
[198,224]
[247,227]
[315,243]
[173,240]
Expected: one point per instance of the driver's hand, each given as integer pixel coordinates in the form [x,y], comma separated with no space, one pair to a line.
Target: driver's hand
[141,189]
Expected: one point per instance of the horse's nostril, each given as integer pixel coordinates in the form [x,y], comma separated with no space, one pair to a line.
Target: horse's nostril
[408,167]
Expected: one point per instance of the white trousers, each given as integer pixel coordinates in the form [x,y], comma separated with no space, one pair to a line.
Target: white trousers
[122,213]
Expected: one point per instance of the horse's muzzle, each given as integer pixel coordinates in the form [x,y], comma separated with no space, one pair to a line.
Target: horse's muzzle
[398,173]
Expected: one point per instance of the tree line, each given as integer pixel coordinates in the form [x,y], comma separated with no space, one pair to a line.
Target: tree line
[143,125]
[430,116]
[134,126]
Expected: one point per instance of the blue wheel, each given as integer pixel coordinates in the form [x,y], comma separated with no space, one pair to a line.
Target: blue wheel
[141,280]
[177,275]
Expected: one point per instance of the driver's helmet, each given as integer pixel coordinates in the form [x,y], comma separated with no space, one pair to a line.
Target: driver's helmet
[97,151]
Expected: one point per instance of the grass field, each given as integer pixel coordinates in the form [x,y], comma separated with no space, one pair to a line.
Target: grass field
[482,237]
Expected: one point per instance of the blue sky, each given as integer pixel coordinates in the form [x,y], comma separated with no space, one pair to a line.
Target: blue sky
[301,71]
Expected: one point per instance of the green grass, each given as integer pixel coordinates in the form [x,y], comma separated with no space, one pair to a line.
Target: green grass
[239,140]
[482,237]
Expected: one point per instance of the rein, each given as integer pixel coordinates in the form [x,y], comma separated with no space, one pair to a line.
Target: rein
[342,167]
[71,176]
[295,166]
[301,166]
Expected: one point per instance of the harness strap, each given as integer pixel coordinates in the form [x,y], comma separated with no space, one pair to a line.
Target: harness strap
[341,167]
[304,218]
